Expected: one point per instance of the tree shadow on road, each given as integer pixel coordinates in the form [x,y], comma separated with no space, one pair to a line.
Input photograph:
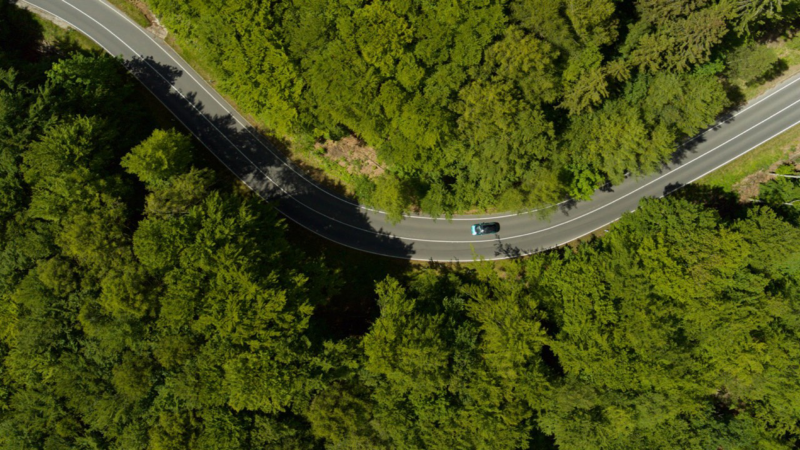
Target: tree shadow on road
[316,214]
[257,163]
[508,251]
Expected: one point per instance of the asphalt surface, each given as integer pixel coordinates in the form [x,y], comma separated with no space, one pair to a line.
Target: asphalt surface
[262,167]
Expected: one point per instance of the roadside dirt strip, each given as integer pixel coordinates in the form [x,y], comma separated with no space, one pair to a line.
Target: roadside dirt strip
[239,147]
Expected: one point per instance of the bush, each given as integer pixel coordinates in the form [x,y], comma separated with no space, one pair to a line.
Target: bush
[749,63]
[364,189]
[391,196]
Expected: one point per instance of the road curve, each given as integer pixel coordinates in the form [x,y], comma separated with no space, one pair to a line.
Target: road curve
[238,146]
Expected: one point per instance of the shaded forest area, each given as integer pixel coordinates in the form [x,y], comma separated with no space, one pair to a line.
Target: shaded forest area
[488,103]
[146,305]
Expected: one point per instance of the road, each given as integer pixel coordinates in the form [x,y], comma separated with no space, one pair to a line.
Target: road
[266,171]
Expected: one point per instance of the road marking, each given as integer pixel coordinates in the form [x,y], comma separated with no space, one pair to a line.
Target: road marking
[521,252]
[223,162]
[761,99]
[172,87]
[672,171]
[253,164]
[278,155]
[233,113]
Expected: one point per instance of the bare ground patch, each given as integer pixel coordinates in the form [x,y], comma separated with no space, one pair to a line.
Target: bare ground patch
[155,26]
[748,189]
[354,155]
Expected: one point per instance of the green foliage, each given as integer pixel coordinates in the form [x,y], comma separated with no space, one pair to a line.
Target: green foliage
[794,43]
[584,182]
[592,20]
[585,81]
[179,193]
[636,133]
[783,190]
[175,315]
[164,155]
[86,83]
[66,147]
[752,62]
[676,330]
[172,318]
[390,196]
[676,35]
[451,364]
[752,14]
[669,289]
[468,103]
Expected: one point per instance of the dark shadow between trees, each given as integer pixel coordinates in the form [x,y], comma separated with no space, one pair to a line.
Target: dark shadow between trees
[27,35]
[264,169]
[774,72]
[22,29]
[315,214]
[726,203]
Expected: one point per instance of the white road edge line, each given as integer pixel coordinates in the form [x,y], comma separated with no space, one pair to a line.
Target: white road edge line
[257,168]
[220,160]
[253,164]
[277,155]
[641,187]
[233,113]
[522,252]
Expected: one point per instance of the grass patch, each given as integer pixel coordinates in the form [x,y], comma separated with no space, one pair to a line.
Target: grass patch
[131,11]
[54,36]
[787,48]
[788,51]
[760,158]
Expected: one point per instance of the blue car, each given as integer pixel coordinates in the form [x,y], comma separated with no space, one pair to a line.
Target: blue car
[485,228]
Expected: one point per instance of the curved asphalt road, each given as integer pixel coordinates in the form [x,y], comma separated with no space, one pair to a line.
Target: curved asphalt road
[227,134]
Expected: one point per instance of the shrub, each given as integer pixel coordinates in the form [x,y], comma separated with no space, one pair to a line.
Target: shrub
[749,63]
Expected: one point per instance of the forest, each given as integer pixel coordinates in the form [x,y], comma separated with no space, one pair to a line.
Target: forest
[484,104]
[146,303]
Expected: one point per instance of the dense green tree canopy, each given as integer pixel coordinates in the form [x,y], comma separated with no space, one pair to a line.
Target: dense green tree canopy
[470,104]
[144,304]
[168,315]
[677,330]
